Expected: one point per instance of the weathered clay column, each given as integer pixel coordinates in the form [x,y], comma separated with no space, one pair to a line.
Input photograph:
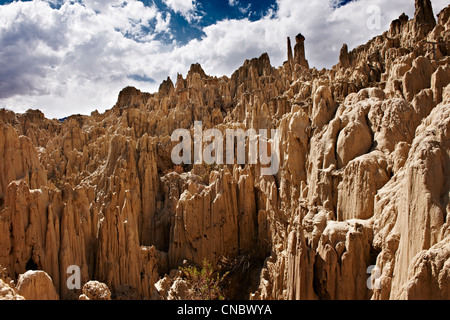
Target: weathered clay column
[299,51]
[424,18]
[344,61]
[289,53]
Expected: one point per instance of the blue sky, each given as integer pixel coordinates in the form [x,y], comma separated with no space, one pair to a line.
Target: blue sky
[215,11]
[210,12]
[67,56]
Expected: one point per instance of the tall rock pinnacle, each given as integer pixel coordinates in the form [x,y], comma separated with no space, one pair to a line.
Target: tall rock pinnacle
[424,12]
[289,53]
[424,17]
[344,61]
[299,51]
[361,154]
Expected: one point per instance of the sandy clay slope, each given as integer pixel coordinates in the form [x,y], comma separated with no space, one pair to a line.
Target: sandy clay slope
[364,180]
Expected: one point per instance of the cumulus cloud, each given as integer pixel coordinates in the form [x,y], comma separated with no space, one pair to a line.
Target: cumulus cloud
[187,8]
[83,53]
[79,56]
[228,43]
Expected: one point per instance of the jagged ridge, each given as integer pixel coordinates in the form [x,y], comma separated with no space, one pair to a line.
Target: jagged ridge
[362,180]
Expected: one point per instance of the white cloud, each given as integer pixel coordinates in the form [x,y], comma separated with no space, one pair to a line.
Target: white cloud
[236,3]
[81,55]
[228,43]
[187,8]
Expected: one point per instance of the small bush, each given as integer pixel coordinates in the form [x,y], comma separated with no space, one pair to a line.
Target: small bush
[203,285]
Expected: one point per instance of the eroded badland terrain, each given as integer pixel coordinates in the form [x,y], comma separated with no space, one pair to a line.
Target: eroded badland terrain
[363,180]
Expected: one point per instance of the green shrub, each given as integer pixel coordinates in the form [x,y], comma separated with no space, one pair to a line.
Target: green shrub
[203,284]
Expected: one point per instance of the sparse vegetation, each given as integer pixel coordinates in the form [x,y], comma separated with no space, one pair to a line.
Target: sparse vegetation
[204,283]
[243,272]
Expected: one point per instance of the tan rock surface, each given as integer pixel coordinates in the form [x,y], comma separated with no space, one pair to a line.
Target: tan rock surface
[363,181]
[94,290]
[36,285]
[429,274]
[8,293]
[8,290]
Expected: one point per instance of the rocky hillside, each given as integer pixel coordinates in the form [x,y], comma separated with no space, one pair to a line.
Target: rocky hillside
[363,181]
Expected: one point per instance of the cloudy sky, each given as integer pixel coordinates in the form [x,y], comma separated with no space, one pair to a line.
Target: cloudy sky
[66,57]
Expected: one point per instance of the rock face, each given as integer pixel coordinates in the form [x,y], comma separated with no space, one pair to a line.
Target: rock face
[94,290]
[8,290]
[8,293]
[357,210]
[299,51]
[344,61]
[424,16]
[36,285]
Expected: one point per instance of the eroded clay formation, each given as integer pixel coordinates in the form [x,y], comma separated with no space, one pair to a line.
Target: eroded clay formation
[363,181]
